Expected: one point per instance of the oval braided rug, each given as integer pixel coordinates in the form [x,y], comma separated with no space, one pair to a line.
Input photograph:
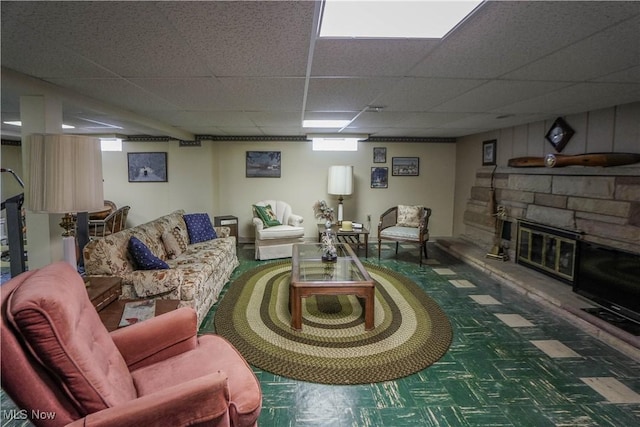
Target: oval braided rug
[411,331]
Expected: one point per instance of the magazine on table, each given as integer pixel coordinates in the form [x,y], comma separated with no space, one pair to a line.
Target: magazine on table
[137,311]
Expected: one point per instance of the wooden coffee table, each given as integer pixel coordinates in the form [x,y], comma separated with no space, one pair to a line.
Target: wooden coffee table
[311,276]
[351,237]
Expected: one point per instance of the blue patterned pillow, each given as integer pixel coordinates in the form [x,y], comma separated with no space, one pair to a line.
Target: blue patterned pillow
[143,257]
[199,227]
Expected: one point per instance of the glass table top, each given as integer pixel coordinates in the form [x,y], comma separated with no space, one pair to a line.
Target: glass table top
[308,266]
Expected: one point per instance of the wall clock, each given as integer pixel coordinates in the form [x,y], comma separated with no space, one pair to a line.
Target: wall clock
[559,134]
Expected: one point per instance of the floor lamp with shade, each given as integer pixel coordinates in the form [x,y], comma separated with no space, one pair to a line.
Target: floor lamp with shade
[340,184]
[65,178]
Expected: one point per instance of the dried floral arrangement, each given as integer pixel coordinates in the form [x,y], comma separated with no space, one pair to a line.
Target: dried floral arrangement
[323,211]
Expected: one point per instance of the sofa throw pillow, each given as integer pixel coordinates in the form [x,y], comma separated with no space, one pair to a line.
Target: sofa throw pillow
[143,257]
[409,216]
[266,214]
[173,242]
[199,227]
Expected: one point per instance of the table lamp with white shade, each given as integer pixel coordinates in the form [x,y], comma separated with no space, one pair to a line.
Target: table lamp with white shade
[65,178]
[340,184]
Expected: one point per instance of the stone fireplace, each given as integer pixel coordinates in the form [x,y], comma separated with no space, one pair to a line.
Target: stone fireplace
[602,205]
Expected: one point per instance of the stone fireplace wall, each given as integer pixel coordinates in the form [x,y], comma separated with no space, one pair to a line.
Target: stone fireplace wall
[601,203]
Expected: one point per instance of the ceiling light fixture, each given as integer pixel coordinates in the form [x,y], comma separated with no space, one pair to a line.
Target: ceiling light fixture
[325,123]
[393,19]
[19,123]
[336,142]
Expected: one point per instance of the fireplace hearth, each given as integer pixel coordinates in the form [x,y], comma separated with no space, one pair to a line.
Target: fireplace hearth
[547,249]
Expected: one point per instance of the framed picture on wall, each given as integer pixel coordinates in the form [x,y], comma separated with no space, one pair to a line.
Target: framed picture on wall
[147,167]
[263,164]
[379,155]
[379,177]
[405,166]
[489,152]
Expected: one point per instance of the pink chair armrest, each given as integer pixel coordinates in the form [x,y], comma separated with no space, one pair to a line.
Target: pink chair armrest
[200,400]
[158,338]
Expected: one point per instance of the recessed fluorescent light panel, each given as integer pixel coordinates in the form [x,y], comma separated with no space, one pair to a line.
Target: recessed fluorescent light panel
[423,19]
[111,144]
[19,123]
[325,123]
[335,144]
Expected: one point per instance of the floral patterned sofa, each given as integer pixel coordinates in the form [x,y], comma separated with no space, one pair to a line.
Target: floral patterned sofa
[195,277]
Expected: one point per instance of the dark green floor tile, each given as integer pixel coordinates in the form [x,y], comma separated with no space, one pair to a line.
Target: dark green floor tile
[431,393]
[515,368]
[570,415]
[614,415]
[544,393]
[402,417]
[391,394]
[465,393]
[488,415]
[444,416]
[508,392]
[359,417]
[526,416]
[276,417]
[481,367]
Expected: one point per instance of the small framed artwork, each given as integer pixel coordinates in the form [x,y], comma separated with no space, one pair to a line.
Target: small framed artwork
[147,167]
[379,155]
[263,164]
[405,166]
[489,152]
[379,177]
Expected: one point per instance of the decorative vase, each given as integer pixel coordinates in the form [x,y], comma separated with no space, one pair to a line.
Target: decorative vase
[327,224]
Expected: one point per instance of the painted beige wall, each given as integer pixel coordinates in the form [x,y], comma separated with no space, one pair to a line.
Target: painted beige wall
[190,183]
[615,129]
[211,179]
[304,181]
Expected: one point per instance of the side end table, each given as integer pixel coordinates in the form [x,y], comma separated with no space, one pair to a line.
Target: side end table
[103,290]
[227,221]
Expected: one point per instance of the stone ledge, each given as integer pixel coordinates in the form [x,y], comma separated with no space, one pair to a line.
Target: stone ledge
[556,296]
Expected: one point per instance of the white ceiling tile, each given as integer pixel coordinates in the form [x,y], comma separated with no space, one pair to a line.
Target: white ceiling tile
[387,57]
[247,39]
[268,94]
[613,50]
[421,94]
[191,93]
[345,94]
[239,67]
[118,92]
[497,93]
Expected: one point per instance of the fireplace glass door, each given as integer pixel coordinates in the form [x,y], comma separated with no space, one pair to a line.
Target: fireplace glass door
[546,249]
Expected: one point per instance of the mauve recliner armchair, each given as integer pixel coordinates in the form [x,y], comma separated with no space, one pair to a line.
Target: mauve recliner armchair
[58,358]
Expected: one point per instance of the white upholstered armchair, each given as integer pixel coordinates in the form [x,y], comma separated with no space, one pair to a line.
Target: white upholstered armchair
[276,229]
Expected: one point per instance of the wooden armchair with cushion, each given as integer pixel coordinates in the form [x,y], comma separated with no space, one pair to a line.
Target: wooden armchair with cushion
[59,359]
[405,224]
[113,223]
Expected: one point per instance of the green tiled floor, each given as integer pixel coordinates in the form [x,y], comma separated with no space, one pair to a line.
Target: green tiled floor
[493,375]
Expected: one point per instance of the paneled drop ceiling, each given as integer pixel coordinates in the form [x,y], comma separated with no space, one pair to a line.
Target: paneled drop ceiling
[256,68]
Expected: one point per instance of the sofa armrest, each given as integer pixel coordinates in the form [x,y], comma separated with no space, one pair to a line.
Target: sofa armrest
[222,231]
[257,223]
[295,220]
[158,338]
[150,283]
[193,402]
